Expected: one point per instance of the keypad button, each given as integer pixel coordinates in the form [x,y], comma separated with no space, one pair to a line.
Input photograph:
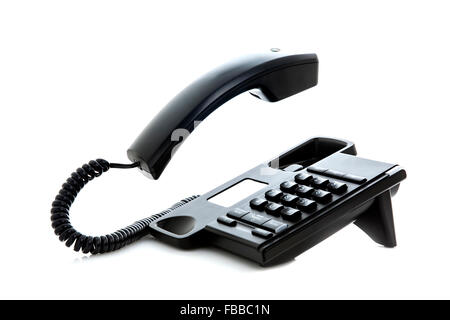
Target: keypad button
[318,182]
[293,168]
[289,200]
[256,219]
[273,209]
[304,191]
[337,187]
[322,196]
[275,226]
[306,205]
[274,195]
[237,213]
[258,204]
[291,214]
[288,186]
[262,233]
[303,178]
[226,221]
[355,179]
[316,169]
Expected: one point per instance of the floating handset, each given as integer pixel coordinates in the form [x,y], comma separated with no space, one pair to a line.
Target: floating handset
[272,76]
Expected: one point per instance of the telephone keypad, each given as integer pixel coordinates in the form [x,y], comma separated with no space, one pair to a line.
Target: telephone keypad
[307,194]
[281,209]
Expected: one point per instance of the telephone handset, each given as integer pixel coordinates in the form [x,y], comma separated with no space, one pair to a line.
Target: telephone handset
[287,206]
[272,77]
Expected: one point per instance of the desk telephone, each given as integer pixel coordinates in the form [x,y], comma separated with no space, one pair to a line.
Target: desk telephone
[301,197]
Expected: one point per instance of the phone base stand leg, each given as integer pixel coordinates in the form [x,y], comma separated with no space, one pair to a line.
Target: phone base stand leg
[377,221]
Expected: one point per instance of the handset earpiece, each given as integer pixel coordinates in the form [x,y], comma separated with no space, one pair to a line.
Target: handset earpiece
[272,77]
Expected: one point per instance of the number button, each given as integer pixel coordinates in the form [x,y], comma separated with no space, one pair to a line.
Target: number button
[258,204]
[274,195]
[306,205]
[319,182]
[337,187]
[274,209]
[303,178]
[289,200]
[288,186]
[322,196]
[304,191]
[291,214]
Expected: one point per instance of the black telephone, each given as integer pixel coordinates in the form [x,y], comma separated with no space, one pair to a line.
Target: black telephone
[297,200]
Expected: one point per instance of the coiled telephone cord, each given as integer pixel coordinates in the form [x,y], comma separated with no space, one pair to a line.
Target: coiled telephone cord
[98,244]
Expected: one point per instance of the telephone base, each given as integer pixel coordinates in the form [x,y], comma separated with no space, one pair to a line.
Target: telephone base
[318,188]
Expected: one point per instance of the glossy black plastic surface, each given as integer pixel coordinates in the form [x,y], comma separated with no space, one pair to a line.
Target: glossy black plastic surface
[272,77]
[367,203]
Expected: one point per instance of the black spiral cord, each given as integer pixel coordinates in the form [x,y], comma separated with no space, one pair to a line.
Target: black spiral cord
[100,244]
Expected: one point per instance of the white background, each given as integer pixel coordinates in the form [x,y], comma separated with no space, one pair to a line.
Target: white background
[80,80]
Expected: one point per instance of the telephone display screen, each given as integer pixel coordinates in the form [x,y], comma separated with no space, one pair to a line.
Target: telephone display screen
[237,192]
